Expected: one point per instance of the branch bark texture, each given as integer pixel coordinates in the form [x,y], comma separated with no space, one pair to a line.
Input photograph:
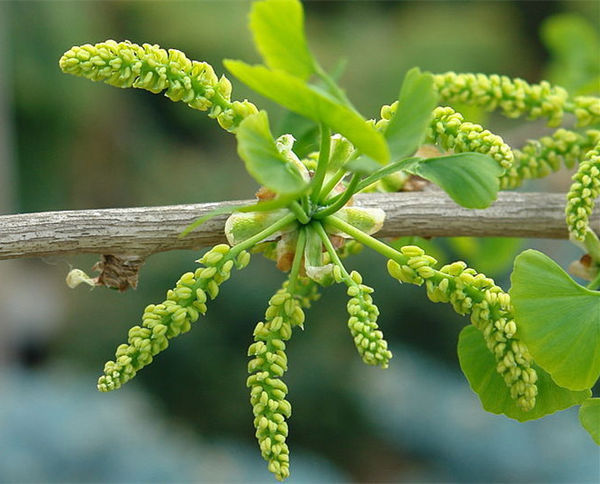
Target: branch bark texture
[146,230]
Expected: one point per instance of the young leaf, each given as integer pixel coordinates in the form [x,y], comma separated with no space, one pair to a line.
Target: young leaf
[278,29]
[558,320]
[416,102]
[262,158]
[479,366]
[471,179]
[297,96]
[589,416]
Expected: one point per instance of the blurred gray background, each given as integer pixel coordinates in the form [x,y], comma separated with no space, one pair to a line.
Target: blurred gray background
[66,143]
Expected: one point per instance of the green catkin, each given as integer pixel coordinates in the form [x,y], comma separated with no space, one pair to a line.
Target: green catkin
[451,132]
[490,308]
[267,390]
[514,97]
[369,341]
[125,64]
[543,156]
[161,322]
[584,190]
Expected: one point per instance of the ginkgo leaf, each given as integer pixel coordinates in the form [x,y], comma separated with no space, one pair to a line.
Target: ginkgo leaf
[416,102]
[278,29]
[267,165]
[589,416]
[471,179]
[479,366]
[558,320]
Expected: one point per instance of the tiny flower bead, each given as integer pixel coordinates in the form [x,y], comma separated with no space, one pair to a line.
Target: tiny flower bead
[515,97]
[539,158]
[269,363]
[471,293]
[582,194]
[362,323]
[162,322]
[125,64]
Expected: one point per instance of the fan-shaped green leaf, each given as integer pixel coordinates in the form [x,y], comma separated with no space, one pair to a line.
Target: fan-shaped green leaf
[471,179]
[589,416]
[558,320]
[278,29]
[262,158]
[479,366]
[294,94]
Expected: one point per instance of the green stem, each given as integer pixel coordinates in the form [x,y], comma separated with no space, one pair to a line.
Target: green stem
[263,234]
[335,258]
[299,212]
[297,259]
[322,163]
[365,239]
[331,184]
[340,202]
[305,203]
[476,294]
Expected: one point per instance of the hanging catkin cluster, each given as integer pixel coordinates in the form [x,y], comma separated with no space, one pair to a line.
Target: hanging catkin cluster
[584,190]
[125,64]
[267,390]
[308,222]
[540,157]
[369,341]
[471,293]
[161,322]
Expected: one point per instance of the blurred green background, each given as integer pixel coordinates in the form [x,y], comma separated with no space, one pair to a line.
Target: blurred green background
[66,143]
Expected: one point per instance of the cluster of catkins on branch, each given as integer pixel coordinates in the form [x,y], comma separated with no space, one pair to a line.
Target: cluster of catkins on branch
[149,67]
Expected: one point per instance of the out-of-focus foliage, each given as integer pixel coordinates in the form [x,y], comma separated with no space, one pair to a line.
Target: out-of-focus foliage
[574,45]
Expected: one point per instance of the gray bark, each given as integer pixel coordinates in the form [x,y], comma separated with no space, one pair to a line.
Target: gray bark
[146,230]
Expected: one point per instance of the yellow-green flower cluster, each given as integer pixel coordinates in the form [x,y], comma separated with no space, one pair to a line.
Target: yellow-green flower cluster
[368,339]
[584,190]
[543,156]
[161,322]
[267,390]
[125,64]
[489,306]
[514,97]
[451,132]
